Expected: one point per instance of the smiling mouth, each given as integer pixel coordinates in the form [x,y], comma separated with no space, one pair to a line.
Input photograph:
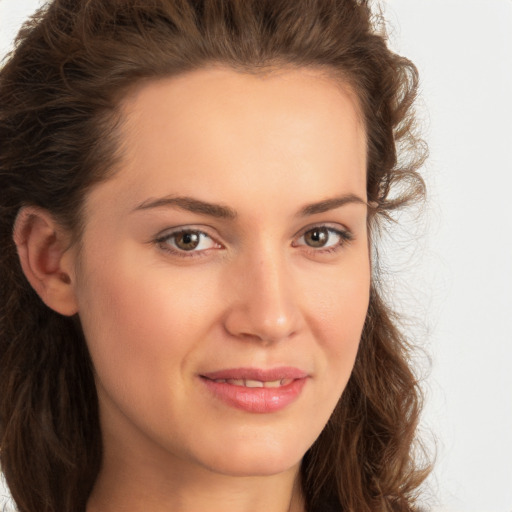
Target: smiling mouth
[256,390]
[250,383]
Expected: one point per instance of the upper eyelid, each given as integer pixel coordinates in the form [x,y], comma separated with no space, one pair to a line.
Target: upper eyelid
[180,229]
[167,233]
[345,235]
[336,227]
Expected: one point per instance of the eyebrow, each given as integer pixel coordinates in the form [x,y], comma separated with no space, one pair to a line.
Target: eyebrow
[330,204]
[225,212]
[192,205]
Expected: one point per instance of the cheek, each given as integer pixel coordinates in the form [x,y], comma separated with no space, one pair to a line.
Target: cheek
[349,314]
[144,326]
[136,317]
[340,300]
[340,311]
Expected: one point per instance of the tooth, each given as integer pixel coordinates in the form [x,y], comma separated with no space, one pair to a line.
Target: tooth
[273,384]
[235,382]
[220,381]
[253,383]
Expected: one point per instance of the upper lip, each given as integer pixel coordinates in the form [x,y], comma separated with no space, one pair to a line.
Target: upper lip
[263,375]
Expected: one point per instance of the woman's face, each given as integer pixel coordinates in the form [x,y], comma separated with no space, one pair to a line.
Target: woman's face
[224,276]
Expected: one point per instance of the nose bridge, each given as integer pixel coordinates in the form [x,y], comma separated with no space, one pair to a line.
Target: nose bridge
[265,306]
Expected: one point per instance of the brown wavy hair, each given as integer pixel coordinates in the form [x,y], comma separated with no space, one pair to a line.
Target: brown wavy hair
[60,91]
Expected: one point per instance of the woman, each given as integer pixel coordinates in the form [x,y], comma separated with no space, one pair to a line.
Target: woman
[191,316]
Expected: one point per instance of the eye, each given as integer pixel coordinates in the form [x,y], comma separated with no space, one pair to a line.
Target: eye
[324,237]
[187,241]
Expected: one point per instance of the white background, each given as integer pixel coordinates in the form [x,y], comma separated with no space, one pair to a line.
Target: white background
[456,278]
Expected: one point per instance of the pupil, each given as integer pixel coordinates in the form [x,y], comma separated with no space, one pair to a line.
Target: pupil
[317,237]
[187,241]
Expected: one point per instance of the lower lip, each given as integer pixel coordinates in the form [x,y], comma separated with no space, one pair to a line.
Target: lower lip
[257,400]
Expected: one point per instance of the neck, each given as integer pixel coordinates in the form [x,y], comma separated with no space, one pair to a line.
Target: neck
[128,483]
[142,490]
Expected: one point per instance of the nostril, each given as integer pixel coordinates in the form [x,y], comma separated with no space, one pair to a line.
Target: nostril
[249,326]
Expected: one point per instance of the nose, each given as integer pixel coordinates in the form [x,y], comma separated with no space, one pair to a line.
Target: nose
[264,304]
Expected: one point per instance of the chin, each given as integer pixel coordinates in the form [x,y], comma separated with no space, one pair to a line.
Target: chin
[245,461]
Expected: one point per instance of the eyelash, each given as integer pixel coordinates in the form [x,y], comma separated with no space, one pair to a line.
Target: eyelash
[345,237]
[163,243]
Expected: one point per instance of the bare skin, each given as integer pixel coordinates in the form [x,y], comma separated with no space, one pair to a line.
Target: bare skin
[232,236]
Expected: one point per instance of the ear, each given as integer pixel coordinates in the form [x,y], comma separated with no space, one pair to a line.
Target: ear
[45,259]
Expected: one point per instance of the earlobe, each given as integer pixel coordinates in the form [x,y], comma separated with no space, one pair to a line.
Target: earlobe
[42,248]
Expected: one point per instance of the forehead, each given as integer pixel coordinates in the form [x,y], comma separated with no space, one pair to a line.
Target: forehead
[214,131]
